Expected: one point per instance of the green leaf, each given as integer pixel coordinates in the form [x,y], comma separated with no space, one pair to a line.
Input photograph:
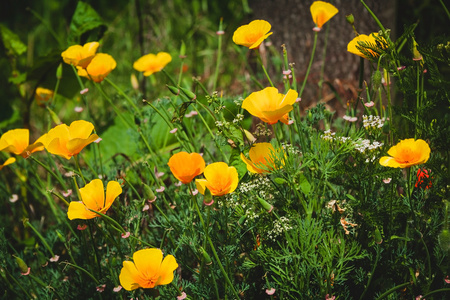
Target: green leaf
[236,161]
[305,186]
[12,42]
[85,21]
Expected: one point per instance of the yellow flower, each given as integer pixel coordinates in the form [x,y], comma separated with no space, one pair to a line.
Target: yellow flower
[8,162]
[148,270]
[17,141]
[80,56]
[152,63]
[321,12]
[93,197]
[261,158]
[252,35]
[371,40]
[43,96]
[101,65]
[67,141]
[407,153]
[220,179]
[185,166]
[269,105]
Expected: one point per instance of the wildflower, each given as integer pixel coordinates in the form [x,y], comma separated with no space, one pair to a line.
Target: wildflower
[407,153]
[43,96]
[117,288]
[387,180]
[321,12]
[220,179]
[369,104]
[67,141]
[54,258]
[261,158]
[269,105]
[125,235]
[81,227]
[101,288]
[252,35]
[80,56]
[185,166]
[367,46]
[17,141]
[93,197]
[148,270]
[423,180]
[13,198]
[270,291]
[101,65]
[9,161]
[152,63]
[346,223]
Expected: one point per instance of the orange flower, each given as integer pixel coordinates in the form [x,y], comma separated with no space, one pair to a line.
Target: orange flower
[148,270]
[101,65]
[152,63]
[43,96]
[407,153]
[93,197]
[269,105]
[252,35]
[185,166]
[67,141]
[261,158]
[355,45]
[321,12]
[220,179]
[16,141]
[8,162]
[80,56]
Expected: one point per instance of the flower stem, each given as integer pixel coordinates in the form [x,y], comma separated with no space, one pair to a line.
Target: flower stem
[124,95]
[264,68]
[44,242]
[219,56]
[50,171]
[77,163]
[309,65]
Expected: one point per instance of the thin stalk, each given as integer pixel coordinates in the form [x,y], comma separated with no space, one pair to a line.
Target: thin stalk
[445,8]
[77,163]
[264,68]
[434,292]
[324,54]
[44,242]
[390,291]
[48,26]
[81,269]
[47,168]
[219,56]
[372,272]
[124,95]
[309,65]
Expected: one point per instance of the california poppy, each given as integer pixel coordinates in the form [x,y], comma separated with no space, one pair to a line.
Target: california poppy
[185,166]
[152,63]
[17,141]
[407,153]
[80,56]
[252,35]
[101,65]
[220,179]
[261,158]
[322,12]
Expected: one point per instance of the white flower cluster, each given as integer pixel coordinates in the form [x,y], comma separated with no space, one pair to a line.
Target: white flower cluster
[290,148]
[373,122]
[362,145]
[239,101]
[279,226]
[238,118]
[328,135]
[260,184]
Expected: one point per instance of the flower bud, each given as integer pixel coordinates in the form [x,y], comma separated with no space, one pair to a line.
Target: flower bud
[207,198]
[206,256]
[148,193]
[266,205]
[350,19]
[242,220]
[188,93]
[22,265]
[59,71]
[378,238]
[61,237]
[173,90]
[54,116]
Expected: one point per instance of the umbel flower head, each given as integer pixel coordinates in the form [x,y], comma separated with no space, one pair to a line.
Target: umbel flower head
[220,179]
[185,166]
[368,46]
[148,270]
[80,56]
[322,12]
[43,96]
[269,105]
[252,35]
[16,141]
[67,141]
[262,157]
[152,63]
[93,197]
[101,65]
[407,153]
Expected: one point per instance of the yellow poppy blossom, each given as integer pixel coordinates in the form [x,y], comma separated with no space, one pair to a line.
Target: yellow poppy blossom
[9,161]
[321,12]
[67,141]
[43,96]
[101,65]
[407,153]
[80,56]
[354,44]
[17,141]
[152,63]
[261,158]
[269,105]
[185,166]
[148,270]
[252,35]
[220,179]
[93,197]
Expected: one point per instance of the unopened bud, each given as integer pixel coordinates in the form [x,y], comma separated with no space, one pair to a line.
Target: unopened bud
[206,256]
[54,116]
[208,198]
[350,19]
[148,193]
[61,237]
[242,220]
[188,93]
[378,238]
[134,81]
[59,71]
[249,136]
[22,265]
[173,90]
[266,205]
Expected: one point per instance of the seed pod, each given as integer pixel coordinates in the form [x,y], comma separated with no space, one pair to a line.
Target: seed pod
[378,238]
[266,205]
[22,265]
[188,93]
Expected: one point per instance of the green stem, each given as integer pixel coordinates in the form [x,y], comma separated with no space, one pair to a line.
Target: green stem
[371,273]
[124,95]
[390,291]
[81,269]
[434,292]
[264,68]
[77,163]
[309,65]
[44,242]
[47,168]
[219,56]
[445,8]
